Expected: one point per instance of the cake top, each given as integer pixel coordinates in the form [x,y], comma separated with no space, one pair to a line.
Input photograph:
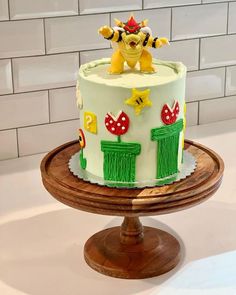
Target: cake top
[166,71]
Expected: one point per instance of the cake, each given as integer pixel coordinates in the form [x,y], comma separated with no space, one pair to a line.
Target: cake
[132,112]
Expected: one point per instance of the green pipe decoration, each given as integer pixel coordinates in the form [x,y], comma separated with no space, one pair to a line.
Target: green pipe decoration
[120,160]
[167,138]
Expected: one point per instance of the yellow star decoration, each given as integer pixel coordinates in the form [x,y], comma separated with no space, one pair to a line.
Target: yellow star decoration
[139,100]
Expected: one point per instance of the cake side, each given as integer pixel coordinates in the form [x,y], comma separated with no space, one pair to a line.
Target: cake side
[153,103]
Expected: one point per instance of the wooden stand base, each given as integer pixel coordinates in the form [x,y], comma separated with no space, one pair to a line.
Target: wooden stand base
[131,251]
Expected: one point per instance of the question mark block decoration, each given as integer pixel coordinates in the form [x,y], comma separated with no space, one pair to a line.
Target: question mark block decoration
[90,122]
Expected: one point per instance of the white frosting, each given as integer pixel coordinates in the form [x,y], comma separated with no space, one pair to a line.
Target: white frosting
[103,93]
[132,78]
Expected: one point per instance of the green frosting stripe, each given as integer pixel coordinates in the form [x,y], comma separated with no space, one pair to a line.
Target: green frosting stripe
[167,138]
[167,156]
[120,160]
[167,130]
[120,147]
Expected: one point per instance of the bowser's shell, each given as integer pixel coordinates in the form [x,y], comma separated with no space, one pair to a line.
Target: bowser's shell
[118,125]
[82,141]
[169,115]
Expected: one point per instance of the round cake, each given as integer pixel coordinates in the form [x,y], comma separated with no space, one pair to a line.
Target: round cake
[132,124]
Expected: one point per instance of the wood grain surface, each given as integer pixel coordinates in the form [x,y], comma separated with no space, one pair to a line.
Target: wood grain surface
[131,251]
[72,191]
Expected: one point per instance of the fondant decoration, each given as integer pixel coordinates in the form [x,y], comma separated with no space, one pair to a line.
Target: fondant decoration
[132,38]
[120,161]
[118,125]
[82,142]
[169,115]
[79,101]
[167,138]
[90,122]
[139,100]
[119,157]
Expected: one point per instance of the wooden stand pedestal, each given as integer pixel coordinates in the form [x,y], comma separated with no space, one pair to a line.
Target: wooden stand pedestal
[132,251]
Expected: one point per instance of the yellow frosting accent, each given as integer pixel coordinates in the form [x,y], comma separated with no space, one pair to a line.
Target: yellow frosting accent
[139,100]
[90,122]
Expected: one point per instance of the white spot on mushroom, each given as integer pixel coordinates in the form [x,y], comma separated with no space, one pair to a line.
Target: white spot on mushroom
[123,118]
[172,114]
[107,124]
[123,127]
[113,129]
[166,111]
[167,117]
[111,121]
[118,124]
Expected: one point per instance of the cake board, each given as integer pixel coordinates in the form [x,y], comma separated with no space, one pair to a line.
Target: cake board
[132,251]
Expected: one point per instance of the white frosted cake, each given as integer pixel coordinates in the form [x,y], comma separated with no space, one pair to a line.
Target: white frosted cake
[132,124]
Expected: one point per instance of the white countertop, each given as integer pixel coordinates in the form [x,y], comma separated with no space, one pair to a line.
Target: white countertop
[41,240]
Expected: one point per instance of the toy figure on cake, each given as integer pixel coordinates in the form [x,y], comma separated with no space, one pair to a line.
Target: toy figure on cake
[132,110]
[133,39]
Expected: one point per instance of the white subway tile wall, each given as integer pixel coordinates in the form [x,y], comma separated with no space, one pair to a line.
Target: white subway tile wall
[4,14]
[63,104]
[21,38]
[75,33]
[231,80]
[199,21]
[17,110]
[166,3]
[45,72]
[42,138]
[8,146]
[5,76]
[44,42]
[43,8]
[219,109]
[218,51]
[186,51]
[205,84]
[192,113]
[232,17]
[108,5]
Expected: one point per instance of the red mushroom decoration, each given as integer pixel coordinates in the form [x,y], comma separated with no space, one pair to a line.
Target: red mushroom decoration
[169,115]
[118,125]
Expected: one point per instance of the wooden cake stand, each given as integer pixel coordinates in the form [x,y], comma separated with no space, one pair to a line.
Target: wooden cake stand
[132,251]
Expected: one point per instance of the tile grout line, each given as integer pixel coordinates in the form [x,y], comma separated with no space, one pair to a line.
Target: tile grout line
[198,113]
[49,106]
[227,24]
[38,90]
[171,24]
[44,37]
[17,143]
[41,124]
[12,78]
[199,54]
[9,9]
[225,82]
[78,7]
